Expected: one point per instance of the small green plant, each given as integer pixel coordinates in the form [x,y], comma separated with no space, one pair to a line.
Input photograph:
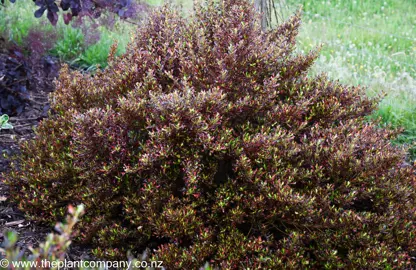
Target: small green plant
[4,122]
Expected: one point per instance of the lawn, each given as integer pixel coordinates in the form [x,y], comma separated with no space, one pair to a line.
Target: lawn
[371,43]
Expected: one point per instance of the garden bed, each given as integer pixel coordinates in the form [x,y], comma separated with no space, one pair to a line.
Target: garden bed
[39,81]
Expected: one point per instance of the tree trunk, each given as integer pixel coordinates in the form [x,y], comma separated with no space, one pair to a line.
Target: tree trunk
[261,6]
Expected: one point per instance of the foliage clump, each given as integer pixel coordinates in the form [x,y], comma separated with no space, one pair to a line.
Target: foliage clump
[14,81]
[206,141]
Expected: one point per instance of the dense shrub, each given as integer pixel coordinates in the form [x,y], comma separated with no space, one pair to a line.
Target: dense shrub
[206,141]
[53,252]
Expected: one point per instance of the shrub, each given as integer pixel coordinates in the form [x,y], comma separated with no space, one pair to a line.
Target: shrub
[206,141]
[52,253]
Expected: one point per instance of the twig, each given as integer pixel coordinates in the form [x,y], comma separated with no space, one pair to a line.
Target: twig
[6,135]
[128,21]
[13,223]
[37,102]
[7,141]
[275,11]
[13,119]
[22,126]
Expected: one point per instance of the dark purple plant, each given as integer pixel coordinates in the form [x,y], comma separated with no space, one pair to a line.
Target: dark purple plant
[25,69]
[13,83]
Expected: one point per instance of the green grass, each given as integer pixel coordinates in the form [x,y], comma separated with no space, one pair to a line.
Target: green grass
[371,43]
[369,34]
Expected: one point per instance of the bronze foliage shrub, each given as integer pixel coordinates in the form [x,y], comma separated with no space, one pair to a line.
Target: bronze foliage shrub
[206,141]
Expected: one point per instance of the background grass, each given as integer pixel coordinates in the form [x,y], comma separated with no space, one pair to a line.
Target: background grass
[371,43]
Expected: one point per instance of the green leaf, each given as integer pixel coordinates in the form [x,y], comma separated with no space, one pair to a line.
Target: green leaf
[3,122]
[4,118]
[6,126]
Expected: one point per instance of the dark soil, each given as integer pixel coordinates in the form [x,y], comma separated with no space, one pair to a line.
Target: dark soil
[40,84]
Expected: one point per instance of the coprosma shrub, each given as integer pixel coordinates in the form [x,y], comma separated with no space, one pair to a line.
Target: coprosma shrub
[206,141]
